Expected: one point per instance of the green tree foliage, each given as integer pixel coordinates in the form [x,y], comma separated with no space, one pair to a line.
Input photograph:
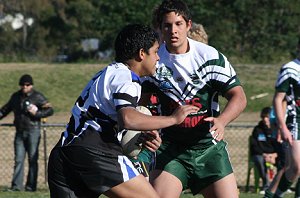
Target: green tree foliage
[112,16]
[244,30]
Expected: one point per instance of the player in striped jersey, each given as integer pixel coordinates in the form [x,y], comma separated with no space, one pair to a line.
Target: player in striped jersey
[193,154]
[88,159]
[288,88]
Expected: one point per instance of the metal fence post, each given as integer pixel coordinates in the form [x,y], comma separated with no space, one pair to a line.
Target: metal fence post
[44,120]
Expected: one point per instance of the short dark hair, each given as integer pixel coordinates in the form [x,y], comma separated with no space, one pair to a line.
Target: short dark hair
[265,112]
[167,6]
[131,39]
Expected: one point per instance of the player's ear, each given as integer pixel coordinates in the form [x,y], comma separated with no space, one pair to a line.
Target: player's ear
[189,24]
[141,55]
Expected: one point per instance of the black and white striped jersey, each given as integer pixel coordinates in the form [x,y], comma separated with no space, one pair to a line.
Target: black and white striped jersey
[288,81]
[94,115]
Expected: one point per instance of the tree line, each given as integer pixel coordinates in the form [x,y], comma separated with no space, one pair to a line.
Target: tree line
[262,31]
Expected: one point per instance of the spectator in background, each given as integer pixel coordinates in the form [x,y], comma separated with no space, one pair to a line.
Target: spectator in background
[29,106]
[263,146]
[198,33]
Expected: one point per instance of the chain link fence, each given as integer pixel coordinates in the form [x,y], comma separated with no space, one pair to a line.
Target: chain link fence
[236,134]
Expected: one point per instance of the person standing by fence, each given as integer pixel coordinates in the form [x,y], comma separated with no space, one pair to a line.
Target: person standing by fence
[29,107]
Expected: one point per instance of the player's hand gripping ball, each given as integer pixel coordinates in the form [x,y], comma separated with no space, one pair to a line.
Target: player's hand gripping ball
[132,140]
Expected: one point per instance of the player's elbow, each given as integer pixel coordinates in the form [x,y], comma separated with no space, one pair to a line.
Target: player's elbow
[126,123]
[238,96]
[125,118]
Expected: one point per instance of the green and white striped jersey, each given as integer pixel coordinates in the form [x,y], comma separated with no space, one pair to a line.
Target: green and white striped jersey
[288,81]
[196,77]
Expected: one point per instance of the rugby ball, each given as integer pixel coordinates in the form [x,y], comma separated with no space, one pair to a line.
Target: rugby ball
[130,142]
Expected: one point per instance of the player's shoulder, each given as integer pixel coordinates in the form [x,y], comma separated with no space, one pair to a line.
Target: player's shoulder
[205,51]
[117,66]
[196,48]
[117,69]
[294,65]
[120,72]
[290,68]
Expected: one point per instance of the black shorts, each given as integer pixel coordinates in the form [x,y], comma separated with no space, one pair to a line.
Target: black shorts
[77,171]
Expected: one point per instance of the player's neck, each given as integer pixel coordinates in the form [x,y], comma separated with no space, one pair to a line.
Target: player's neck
[133,66]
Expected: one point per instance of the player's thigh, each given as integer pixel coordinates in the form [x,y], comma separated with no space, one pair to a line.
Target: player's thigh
[223,188]
[134,188]
[175,160]
[165,184]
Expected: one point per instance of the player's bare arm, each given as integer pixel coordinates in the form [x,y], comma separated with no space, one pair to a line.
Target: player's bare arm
[130,118]
[280,115]
[236,104]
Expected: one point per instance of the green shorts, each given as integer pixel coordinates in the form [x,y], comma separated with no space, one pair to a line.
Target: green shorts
[144,162]
[195,168]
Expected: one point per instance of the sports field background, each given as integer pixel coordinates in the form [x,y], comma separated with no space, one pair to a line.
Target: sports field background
[61,84]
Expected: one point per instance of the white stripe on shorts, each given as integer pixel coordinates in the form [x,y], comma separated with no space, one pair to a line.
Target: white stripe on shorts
[127,168]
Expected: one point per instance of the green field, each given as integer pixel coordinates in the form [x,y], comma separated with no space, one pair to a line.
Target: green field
[62,83]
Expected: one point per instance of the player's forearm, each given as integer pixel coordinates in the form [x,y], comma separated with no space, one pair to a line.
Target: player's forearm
[149,123]
[131,119]
[279,110]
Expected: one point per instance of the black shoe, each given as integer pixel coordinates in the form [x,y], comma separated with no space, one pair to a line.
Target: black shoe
[13,189]
[29,189]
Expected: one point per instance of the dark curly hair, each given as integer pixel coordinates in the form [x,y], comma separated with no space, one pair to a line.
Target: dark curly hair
[167,6]
[131,39]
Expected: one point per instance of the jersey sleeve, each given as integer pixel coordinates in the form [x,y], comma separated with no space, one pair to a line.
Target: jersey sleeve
[222,75]
[126,90]
[283,80]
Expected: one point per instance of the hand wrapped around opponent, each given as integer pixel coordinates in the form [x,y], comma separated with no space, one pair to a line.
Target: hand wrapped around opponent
[151,140]
[183,111]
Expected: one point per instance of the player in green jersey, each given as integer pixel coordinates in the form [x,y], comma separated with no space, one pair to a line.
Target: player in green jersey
[193,154]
